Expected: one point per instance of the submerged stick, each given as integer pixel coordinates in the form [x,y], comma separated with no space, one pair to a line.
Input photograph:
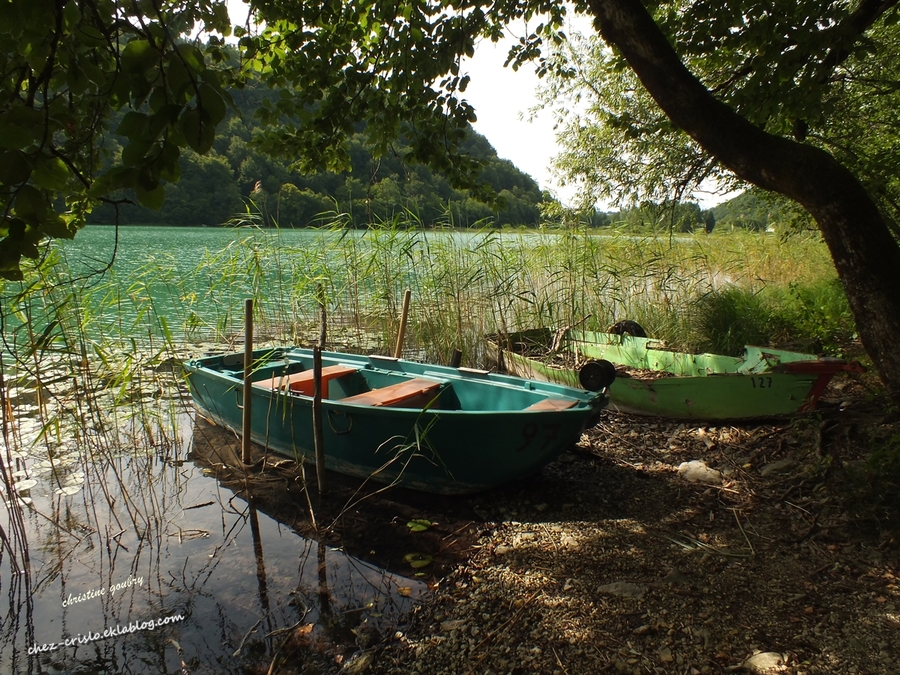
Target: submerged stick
[404,313]
[248,368]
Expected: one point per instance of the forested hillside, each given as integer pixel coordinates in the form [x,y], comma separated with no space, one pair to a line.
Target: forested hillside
[216,187]
[756,210]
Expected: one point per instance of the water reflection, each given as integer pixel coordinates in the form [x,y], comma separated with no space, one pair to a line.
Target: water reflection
[154,566]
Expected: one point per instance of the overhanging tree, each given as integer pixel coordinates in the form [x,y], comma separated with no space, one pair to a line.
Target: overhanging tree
[398,67]
[65,67]
[779,63]
[858,234]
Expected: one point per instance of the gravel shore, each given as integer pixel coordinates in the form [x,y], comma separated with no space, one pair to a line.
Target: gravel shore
[662,547]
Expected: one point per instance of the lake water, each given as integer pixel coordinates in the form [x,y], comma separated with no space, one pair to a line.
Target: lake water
[131,549]
[144,560]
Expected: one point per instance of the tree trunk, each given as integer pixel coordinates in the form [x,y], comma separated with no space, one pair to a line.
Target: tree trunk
[866,255]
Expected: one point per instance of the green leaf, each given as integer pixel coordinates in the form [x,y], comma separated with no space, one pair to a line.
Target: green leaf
[51,173]
[90,36]
[417,560]
[198,132]
[137,56]
[116,179]
[152,199]
[134,125]
[164,117]
[212,103]
[192,57]
[134,152]
[14,168]
[178,78]
[15,137]
[56,226]
[148,177]
[419,525]
[31,205]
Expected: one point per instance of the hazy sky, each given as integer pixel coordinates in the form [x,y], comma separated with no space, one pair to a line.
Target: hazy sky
[502,98]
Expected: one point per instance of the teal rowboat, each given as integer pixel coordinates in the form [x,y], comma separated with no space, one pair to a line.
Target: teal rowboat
[431,428]
[762,383]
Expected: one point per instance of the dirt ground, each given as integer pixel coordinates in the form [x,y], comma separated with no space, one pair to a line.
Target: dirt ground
[779,553]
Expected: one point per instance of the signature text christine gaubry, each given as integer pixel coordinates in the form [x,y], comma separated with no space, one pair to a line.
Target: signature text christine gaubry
[100,592]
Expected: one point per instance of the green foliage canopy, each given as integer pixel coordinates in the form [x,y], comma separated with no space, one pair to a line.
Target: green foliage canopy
[824,74]
[70,67]
[66,66]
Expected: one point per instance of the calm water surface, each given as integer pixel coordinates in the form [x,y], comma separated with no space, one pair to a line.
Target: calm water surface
[141,561]
[132,556]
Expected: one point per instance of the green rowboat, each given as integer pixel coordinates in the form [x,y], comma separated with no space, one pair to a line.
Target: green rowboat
[763,383]
[426,427]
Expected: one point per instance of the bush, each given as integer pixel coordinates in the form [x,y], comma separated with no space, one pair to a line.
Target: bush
[812,318]
[724,321]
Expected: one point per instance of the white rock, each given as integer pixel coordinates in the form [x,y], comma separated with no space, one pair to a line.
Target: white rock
[696,471]
[763,662]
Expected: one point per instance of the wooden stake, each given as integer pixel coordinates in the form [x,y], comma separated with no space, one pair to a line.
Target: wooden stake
[318,437]
[456,359]
[248,369]
[404,313]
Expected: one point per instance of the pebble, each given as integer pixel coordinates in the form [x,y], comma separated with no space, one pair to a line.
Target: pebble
[696,471]
[760,663]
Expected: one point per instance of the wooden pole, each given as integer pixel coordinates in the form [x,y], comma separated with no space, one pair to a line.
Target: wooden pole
[404,313]
[318,436]
[248,369]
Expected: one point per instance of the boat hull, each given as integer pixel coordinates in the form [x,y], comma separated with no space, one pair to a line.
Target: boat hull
[764,383]
[477,434]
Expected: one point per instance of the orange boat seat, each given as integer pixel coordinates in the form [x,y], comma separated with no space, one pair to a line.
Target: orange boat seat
[302,382]
[414,393]
[553,404]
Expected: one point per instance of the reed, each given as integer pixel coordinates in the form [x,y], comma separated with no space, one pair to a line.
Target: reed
[88,347]
[91,396]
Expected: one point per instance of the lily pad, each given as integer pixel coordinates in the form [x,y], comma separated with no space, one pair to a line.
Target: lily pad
[419,525]
[417,560]
[26,484]
[69,490]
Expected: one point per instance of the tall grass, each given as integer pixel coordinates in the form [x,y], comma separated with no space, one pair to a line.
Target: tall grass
[114,335]
[89,361]
[700,291]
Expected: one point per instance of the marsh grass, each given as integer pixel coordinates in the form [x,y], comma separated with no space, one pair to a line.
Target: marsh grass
[89,353]
[92,398]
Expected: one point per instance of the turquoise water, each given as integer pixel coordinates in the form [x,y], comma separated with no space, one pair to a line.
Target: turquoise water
[194,278]
[198,278]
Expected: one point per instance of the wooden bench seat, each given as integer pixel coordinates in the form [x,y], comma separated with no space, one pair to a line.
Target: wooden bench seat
[302,382]
[553,404]
[414,393]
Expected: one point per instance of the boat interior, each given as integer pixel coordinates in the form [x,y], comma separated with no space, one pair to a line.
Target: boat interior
[367,385]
